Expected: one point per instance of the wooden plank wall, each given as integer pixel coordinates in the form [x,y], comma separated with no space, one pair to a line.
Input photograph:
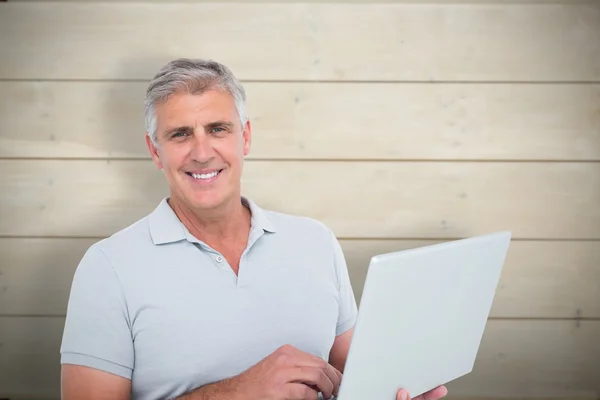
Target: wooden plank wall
[397,124]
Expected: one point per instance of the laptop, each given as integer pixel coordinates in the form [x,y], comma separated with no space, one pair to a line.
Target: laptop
[422,316]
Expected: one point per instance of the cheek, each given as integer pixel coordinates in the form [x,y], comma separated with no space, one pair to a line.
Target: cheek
[231,152]
[173,158]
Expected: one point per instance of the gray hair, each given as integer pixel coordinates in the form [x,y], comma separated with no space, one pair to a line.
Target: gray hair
[193,76]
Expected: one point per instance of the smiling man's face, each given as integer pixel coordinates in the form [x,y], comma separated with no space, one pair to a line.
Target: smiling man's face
[201,146]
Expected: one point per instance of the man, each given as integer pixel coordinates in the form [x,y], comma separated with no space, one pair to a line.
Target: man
[209,296]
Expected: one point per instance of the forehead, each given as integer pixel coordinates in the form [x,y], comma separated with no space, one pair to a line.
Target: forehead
[193,109]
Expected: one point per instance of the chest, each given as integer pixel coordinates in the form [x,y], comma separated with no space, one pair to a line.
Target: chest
[232,257]
[231,253]
[193,324]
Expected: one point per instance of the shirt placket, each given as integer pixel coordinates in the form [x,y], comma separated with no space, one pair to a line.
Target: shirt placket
[243,271]
[216,258]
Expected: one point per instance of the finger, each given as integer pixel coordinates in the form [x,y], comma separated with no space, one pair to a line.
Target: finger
[335,377]
[303,359]
[313,377]
[404,395]
[433,394]
[339,374]
[299,391]
[436,393]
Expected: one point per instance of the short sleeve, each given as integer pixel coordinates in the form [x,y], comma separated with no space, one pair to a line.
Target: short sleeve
[97,330]
[347,311]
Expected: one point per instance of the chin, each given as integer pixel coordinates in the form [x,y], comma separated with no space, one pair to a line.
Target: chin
[197,197]
[206,201]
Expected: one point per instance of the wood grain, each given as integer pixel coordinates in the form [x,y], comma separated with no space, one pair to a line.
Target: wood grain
[554,359]
[557,279]
[398,125]
[356,199]
[322,121]
[342,2]
[540,279]
[411,42]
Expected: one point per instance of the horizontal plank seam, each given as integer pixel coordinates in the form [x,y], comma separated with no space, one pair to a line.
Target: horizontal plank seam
[329,160]
[329,81]
[351,2]
[388,3]
[349,238]
[573,319]
[514,239]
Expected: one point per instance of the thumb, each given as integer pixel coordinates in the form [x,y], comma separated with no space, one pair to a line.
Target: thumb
[403,395]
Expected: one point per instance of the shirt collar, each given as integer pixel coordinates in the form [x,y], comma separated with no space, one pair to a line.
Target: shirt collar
[165,226]
[259,219]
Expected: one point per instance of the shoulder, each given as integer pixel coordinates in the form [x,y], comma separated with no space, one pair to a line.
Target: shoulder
[130,241]
[310,236]
[133,237]
[305,232]
[299,225]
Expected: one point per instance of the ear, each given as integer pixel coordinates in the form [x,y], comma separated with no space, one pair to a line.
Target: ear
[153,152]
[247,136]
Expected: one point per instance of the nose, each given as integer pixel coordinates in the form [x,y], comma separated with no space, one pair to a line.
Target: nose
[202,150]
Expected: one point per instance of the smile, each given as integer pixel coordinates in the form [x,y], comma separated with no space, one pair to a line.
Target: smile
[204,176]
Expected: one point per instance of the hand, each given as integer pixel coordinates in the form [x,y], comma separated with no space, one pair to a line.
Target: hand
[433,394]
[289,374]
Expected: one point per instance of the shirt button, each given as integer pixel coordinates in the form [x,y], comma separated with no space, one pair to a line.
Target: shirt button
[219,259]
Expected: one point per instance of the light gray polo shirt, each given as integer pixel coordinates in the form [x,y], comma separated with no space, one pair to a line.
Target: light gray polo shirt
[153,304]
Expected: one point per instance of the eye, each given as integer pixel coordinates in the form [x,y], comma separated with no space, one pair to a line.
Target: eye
[218,129]
[178,134]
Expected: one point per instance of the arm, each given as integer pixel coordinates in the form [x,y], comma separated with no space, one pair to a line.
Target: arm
[339,350]
[287,373]
[97,349]
[222,390]
[78,382]
[347,311]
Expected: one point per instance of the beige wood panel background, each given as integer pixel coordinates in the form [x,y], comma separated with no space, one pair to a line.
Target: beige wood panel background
[554,359]
[541,279]
[398,124]
[322,120]
[426,42]
[331,1]
[356,199]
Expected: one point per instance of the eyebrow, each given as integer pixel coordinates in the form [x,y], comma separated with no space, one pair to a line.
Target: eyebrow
[188,129]
[215,124]
[183,129]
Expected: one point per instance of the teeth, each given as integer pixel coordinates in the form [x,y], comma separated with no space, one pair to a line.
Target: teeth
[205,176]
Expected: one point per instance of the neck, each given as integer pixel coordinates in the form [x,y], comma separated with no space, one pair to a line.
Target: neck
[230,222]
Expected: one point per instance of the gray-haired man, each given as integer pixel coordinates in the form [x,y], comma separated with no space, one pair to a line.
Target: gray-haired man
[209,296]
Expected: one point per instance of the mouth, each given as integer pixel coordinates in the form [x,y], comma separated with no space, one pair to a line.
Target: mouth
[205,177]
